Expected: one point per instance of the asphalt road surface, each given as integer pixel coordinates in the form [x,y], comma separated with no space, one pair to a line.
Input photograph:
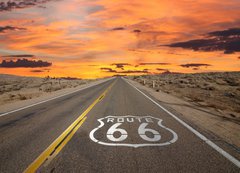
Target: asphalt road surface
[110,127]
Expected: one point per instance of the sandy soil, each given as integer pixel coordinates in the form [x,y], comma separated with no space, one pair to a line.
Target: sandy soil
[209,100]
[17,91]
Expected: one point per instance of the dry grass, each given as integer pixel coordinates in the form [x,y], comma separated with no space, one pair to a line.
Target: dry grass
[220,91]
[14,88]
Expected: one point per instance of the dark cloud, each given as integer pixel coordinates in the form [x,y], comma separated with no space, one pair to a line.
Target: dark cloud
[118,29]
[195,65]
[137,30]
[37,71]
[18,4]
[161,69]
[24,63]
[154,63]
[226,33]
[195,68]
[120,65]
[19,56]
[105,69]
[226,40]
[10,28]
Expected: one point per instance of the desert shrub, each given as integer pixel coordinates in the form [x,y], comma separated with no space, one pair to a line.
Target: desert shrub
[229,94]
[11,96]
[22,97]
[210,88]
[231,82]
[46,88]
[64,85]
[55,88]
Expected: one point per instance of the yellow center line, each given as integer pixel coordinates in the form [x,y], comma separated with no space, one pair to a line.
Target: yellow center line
[46,156]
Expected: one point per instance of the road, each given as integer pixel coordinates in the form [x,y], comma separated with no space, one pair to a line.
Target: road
[110,127]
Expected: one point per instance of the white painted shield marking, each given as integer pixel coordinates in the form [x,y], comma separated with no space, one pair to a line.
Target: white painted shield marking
[114,129]
[152,137]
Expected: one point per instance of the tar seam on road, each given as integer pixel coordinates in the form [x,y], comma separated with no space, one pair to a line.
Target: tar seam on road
[53,98]
[47,155]
[198,134]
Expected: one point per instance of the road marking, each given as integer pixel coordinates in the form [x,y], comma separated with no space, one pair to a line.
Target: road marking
[47,155]
[53,98]
[198,134]
[116,123]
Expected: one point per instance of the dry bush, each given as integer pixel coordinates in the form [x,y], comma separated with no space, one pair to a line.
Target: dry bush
[22,97]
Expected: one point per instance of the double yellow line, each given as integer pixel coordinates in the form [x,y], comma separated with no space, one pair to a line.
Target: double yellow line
[47,155]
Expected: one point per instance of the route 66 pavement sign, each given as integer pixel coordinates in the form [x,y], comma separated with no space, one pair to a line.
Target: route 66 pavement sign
[132,131]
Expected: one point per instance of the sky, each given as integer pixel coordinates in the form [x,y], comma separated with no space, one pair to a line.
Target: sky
[101,38]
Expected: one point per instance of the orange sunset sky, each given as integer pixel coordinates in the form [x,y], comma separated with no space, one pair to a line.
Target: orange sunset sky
[99,38]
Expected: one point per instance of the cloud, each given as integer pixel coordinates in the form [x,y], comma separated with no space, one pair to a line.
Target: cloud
[161,69]
[137,30]
[118,29]
[24,63]
[226,33]
[226,40]
[154,63]
[19,56]
[105,69]
[195,65]
[37,71]
[10,28]
[18,4]
[195,68]
[120,65]
[40,70]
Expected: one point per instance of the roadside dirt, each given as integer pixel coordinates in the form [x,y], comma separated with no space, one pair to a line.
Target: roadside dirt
[17,91]
[224,123]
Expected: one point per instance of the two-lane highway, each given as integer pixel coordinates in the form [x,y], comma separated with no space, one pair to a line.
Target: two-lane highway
[111,127]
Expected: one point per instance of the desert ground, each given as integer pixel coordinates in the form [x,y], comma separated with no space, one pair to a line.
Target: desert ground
[17,88]
[209,100]
[220,91]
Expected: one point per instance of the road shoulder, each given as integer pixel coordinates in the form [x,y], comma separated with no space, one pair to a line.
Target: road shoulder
[223,132]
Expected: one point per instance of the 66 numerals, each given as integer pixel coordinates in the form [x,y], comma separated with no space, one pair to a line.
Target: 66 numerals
[141,131]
